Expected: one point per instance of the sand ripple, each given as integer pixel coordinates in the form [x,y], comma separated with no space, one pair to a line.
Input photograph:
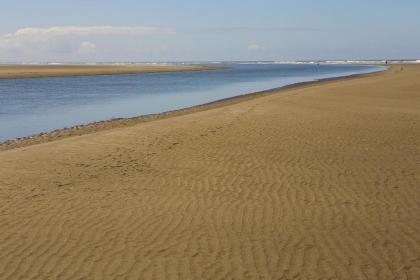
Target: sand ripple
[319,182]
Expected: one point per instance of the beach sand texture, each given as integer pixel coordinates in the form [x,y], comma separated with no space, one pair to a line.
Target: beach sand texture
[316,182]
[45,71]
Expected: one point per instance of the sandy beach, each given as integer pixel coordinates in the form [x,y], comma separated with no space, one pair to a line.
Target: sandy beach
[321,181]
[45,71]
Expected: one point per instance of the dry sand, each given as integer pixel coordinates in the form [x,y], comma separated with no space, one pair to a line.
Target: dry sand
[316,182]
[40,71]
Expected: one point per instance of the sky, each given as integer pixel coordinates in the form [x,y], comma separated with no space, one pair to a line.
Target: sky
[188,30]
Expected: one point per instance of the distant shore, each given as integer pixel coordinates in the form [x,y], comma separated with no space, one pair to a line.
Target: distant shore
[47,71]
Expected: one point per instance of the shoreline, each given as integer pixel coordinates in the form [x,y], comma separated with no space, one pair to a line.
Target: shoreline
[88,128]
[12,72]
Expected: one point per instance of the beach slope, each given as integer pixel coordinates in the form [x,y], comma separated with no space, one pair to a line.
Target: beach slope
[316,182]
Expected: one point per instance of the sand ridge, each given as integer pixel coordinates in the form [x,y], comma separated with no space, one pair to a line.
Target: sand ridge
[319,182]
[47,71]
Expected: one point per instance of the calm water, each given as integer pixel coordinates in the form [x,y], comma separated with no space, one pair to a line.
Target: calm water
[29,106]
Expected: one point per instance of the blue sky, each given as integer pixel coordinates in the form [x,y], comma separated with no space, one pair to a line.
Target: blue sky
[128,30]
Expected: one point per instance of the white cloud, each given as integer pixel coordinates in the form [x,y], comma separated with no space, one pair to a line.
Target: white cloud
[68,39]
[87,48]
[89,30]
[256,47]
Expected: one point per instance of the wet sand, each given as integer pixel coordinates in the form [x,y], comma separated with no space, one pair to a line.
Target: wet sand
[23,71]
[321,181]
